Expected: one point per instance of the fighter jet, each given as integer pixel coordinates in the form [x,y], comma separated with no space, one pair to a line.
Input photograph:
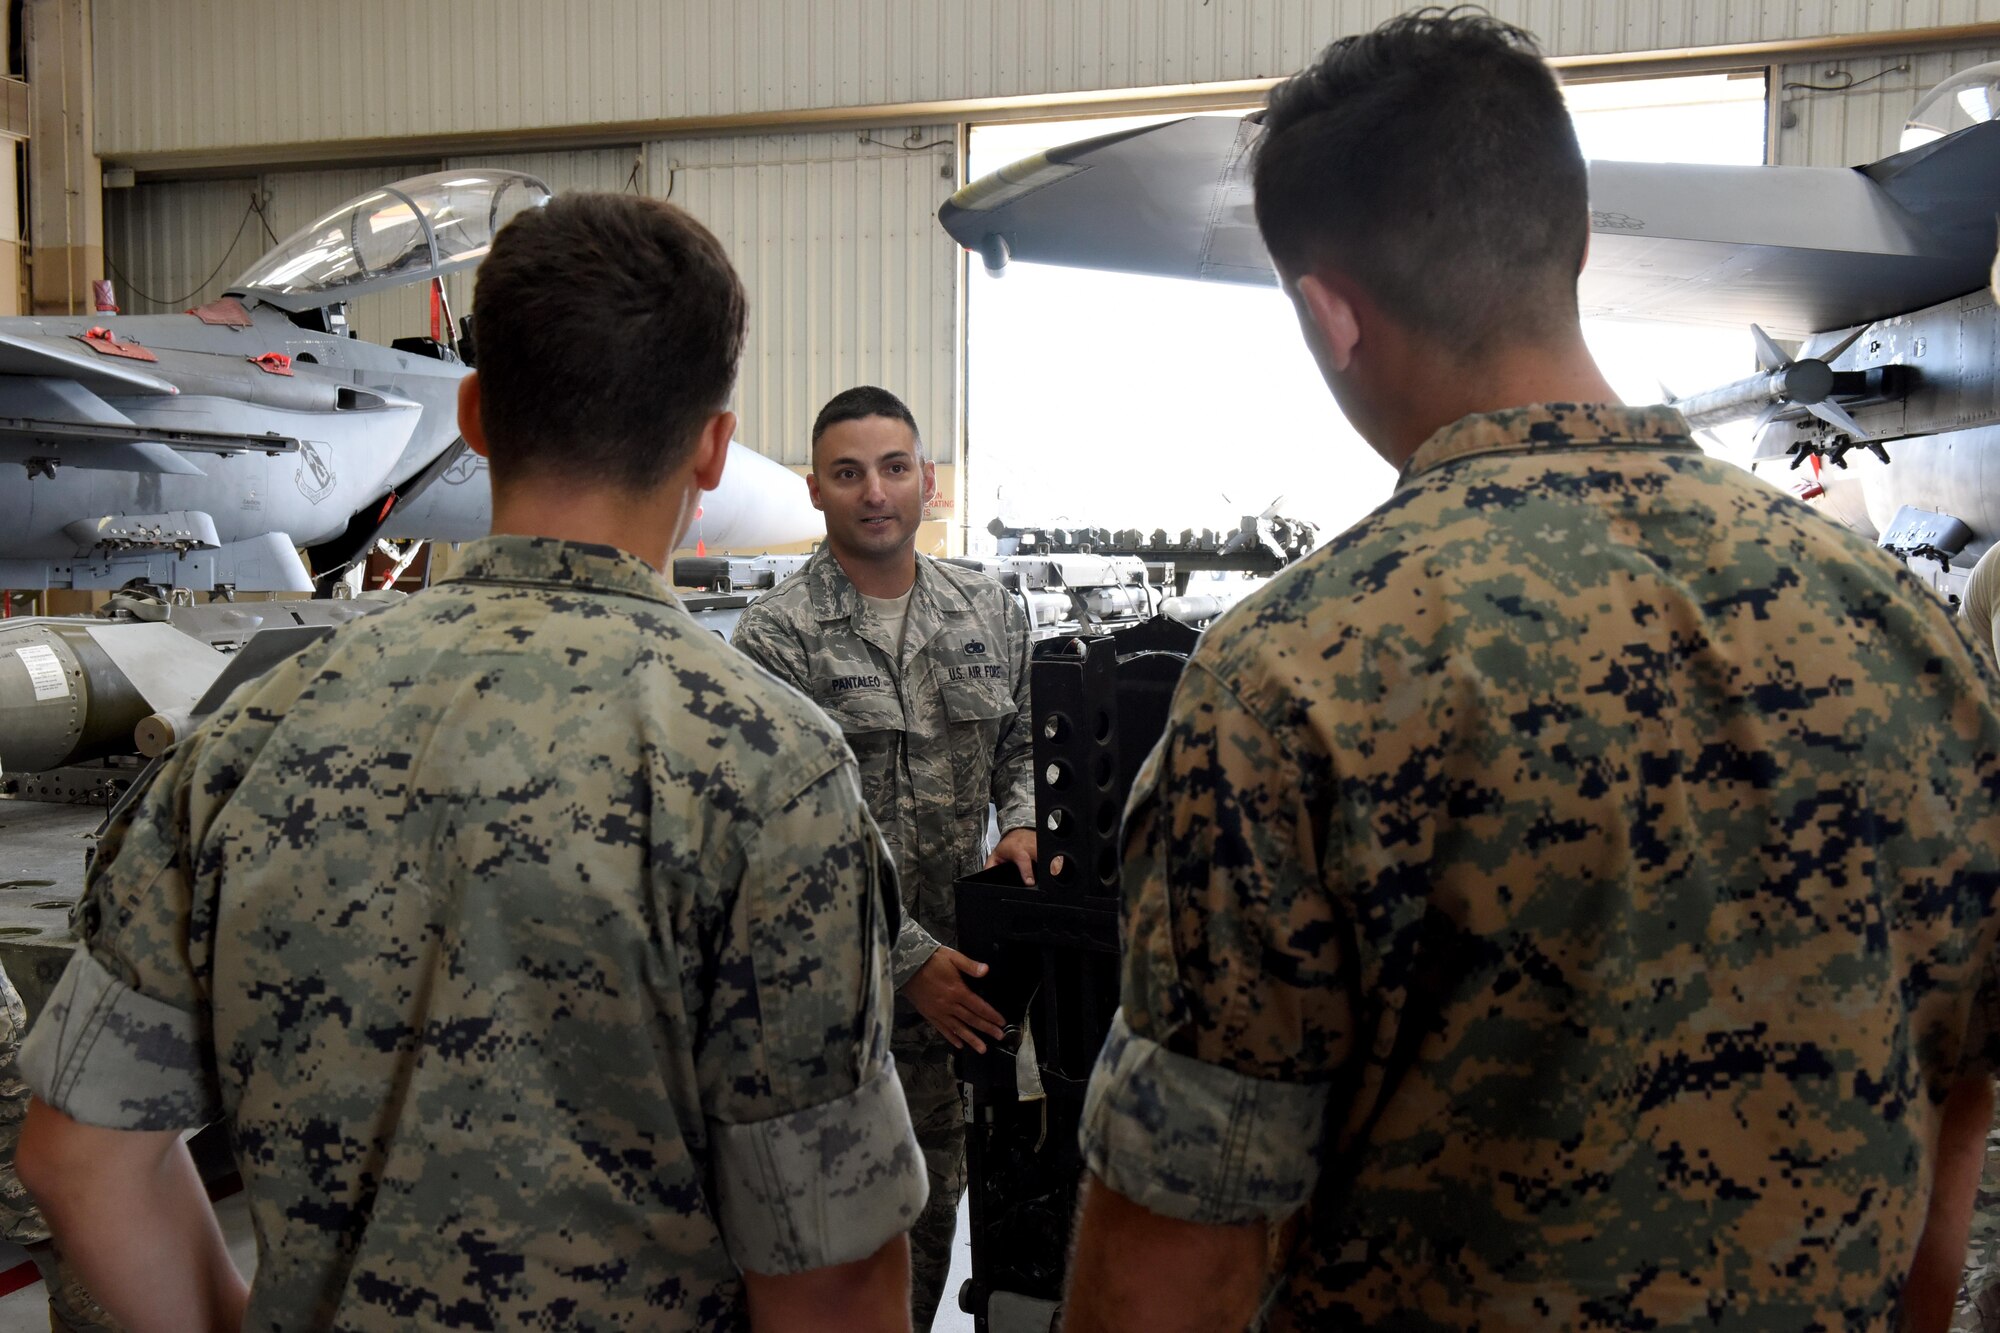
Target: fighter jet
[203,449]
[1887,415]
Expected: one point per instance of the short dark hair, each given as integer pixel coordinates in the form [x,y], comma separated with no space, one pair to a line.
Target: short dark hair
[1432,161]
[864,400]
[610,328]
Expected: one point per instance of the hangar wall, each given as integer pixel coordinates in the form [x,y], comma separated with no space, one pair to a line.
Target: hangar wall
[234,72]
[851,279]
[834,230]
[1819,122]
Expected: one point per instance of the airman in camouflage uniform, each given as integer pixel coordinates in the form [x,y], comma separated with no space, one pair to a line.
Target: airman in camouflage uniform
[1570,899]
[938,727]
[534,943]
[938,717]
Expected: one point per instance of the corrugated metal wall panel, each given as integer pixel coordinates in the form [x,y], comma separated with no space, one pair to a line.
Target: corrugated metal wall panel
[1818,127]
[235,72]
[851,280]
[175,245]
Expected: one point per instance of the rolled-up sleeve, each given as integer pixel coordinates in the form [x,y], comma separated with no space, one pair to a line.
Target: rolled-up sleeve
[825,1185]
[1195,1141]
[815,1159]
[123,1042]
[108,1055]
[1210,1099]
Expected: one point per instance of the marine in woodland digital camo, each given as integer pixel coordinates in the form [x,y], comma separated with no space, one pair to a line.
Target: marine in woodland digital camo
[534,943]
[1567,900]
[924,665]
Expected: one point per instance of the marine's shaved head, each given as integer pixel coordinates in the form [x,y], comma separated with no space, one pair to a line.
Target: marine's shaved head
[1433,162]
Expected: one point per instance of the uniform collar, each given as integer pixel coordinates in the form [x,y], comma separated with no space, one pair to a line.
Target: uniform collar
[548,562]
[834,596]
[1543,427]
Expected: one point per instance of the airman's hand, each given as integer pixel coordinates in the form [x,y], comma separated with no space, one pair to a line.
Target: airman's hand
[1017,848]
[939,992]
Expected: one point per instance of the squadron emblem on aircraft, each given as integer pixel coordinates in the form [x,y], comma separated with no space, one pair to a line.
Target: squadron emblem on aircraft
[315,475]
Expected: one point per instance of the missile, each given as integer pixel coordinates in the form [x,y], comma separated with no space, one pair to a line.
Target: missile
[1196,609]
[1780,385]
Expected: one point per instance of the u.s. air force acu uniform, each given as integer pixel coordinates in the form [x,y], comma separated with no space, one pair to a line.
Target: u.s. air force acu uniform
[939,722]
[537,947]
[1567,898]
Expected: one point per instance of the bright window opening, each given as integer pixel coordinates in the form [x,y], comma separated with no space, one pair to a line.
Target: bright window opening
[1109,400]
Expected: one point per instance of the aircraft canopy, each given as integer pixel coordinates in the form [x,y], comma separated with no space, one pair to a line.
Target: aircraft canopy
[1970,97]
[411,231]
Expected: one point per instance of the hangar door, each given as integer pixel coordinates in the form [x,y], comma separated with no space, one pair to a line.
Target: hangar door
[1109,400]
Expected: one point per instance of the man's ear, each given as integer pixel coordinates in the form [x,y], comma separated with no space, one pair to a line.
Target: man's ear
[711,451]
[930,481]
[470,427]
[1334,320]
[812,488]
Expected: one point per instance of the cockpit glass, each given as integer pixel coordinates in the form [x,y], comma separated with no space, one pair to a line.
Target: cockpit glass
[411,231]
[1971,97]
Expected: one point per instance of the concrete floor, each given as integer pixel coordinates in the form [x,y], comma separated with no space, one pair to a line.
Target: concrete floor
[27,1310]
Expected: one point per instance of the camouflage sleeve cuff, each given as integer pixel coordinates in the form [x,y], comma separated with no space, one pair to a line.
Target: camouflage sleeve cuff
[1190,1140]
[827,1185]
[1017,814]
[107,1055]
[1014,780]
[914,947]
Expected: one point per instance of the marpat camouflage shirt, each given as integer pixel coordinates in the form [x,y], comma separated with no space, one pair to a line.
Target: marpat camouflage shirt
[940,728]
[1566,900]
[537,947]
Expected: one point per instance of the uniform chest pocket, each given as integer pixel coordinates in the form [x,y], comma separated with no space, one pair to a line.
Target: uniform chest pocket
[974,701]
[871,721]
[977,711]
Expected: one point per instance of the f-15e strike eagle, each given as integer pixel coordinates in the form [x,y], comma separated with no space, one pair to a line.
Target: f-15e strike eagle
[1888,414]
[203,449]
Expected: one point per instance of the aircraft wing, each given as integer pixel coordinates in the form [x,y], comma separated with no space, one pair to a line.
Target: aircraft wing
[1797,249]
[1170,200]
[71,360]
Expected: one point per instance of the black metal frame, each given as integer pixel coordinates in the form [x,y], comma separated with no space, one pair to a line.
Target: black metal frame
[1100,704]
